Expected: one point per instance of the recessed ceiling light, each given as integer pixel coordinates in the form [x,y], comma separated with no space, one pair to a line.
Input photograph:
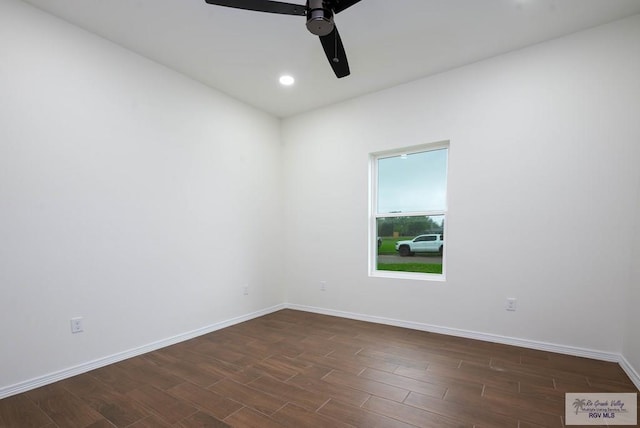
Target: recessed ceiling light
[287,80]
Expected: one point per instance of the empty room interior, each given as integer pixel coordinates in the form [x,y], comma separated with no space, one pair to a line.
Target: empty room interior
[168,208]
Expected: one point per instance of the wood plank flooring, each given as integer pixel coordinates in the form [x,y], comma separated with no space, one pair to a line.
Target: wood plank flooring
[297,369]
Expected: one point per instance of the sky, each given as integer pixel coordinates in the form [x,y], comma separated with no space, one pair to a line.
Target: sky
[413,182]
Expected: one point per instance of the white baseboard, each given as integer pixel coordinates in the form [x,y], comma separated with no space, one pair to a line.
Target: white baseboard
[104,361]
[120,356]
[630,371]
[525,343]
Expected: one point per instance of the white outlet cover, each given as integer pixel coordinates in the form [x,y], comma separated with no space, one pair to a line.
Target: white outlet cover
[76,325]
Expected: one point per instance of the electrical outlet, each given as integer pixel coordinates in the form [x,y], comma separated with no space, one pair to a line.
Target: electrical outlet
[76,325]
[246,290]
[511,304]
[323,285]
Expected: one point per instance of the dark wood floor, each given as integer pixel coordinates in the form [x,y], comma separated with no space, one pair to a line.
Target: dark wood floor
[296,369]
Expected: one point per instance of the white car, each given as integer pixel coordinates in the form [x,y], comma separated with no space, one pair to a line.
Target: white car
[429,243]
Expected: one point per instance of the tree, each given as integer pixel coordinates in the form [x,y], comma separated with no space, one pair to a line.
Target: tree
[408,226]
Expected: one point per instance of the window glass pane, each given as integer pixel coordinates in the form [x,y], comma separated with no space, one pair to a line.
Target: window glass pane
[413,182]
[410,243]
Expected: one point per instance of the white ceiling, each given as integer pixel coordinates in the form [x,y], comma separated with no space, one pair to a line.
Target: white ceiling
[242,53]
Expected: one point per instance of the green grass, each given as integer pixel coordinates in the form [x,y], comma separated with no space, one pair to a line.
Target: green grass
[411,267]
[389,245]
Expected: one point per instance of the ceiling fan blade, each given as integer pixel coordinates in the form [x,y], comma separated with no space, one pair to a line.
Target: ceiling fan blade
[333,48]
[263,6]
[340,5]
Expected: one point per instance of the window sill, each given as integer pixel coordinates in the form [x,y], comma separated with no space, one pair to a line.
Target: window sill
[408,275]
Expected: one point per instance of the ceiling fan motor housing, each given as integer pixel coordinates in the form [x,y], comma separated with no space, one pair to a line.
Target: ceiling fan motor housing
[319,18]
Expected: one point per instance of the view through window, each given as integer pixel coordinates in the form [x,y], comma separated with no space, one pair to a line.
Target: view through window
[409,207]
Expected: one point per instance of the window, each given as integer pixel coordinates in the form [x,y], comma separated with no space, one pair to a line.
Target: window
[426,238]
[408,194]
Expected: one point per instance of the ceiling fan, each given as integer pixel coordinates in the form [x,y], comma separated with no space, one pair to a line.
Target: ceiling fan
[319,15]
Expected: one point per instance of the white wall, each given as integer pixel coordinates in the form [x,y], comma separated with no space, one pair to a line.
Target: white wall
[632,326]
[129,195]
[543,177]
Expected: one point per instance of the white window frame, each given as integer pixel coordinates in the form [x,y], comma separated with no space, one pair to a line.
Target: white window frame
[374,215]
